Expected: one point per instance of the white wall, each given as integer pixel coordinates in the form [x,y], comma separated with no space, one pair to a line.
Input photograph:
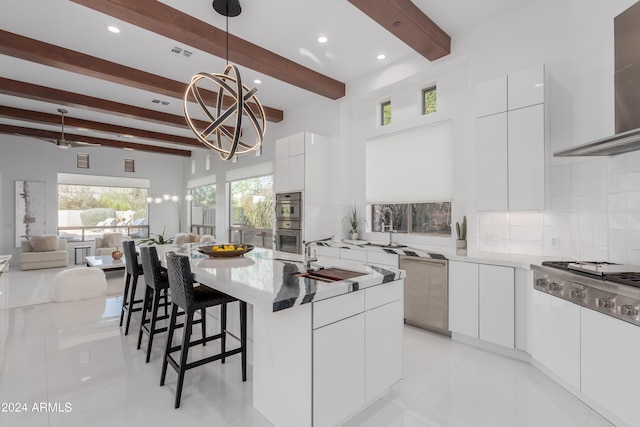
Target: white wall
[24,158]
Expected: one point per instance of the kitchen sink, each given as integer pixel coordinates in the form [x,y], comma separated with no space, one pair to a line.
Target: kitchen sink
[330,274]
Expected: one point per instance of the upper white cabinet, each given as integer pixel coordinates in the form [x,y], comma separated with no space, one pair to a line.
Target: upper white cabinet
[526,158]
[510,145]
[526,88]
[303,163]
[491,97]
[491,156]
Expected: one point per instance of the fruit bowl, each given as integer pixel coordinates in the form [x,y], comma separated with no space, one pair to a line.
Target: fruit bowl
[225,250]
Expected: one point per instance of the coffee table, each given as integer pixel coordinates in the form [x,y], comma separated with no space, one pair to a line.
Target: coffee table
[105,262]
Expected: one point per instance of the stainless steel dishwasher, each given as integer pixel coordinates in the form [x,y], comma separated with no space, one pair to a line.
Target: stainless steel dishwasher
[426,293]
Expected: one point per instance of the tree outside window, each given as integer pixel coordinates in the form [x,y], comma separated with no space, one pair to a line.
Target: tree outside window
[429,100]
[385,109]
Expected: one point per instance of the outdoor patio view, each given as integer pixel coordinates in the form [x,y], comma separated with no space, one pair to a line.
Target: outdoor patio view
[86,212]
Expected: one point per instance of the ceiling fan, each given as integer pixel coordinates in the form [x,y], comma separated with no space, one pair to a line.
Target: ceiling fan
[62,141]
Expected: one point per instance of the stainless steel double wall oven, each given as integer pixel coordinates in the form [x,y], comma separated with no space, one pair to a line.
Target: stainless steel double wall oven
[289,222]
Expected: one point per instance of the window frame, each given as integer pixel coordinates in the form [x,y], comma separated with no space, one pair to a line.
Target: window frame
[384,104]
[407,220]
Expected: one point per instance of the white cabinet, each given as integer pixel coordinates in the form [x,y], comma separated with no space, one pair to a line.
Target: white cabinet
[526,87]
[610,373]
[496,304]
[379,258]
[303,162]
[491,157]
[491,97]
[554,336]
[289,164]
[463,298]
[482,303]
[511,145]
[526,158]
[357,343]
[338,356]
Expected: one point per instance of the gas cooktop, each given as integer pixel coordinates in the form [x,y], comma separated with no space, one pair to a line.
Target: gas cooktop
[618,273]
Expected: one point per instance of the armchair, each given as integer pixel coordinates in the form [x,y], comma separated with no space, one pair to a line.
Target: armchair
[108,243]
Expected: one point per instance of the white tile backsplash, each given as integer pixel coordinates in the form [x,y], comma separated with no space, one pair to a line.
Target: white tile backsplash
[593,213]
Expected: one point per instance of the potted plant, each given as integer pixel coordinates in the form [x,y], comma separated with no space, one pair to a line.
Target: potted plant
[353,221]
[461,243]
[158,240]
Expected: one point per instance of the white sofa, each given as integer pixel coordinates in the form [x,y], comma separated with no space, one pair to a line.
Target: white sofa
[31,259]
[108,243]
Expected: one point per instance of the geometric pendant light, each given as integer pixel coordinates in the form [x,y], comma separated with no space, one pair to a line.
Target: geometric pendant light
[224,130]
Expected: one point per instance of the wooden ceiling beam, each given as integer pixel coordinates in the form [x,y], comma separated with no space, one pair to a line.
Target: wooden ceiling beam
[164,20]
[407,22]
[54,119]
[76,100]
[39,133]
[43,53]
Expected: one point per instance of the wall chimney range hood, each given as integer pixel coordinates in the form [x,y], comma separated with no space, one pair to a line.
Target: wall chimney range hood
[627,92]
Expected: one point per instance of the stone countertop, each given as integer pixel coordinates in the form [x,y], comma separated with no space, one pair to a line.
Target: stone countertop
[492,258]
[269,278]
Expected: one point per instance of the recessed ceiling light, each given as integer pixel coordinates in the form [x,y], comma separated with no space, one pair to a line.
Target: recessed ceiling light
[113,29]
[322,39]
[257,81]
[381,56]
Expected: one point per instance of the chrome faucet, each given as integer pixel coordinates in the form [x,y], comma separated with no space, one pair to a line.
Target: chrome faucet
[390,225]
[308,259]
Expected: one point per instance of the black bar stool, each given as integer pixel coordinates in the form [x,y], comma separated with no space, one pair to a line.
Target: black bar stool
[157,289]
[191,299]
[134,270]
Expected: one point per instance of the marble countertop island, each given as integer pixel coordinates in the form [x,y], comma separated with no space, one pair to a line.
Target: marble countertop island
[269,279]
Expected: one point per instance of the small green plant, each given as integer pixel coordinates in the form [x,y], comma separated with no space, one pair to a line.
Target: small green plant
[462,229]
[158,240]
[352,220]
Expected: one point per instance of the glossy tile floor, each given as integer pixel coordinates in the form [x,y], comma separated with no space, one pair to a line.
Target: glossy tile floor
[74,357]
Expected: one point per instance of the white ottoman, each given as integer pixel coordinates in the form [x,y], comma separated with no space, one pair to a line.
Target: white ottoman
[78,283]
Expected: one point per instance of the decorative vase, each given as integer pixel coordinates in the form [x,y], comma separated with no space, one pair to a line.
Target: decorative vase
[461,247]
[353,235]
[117,254]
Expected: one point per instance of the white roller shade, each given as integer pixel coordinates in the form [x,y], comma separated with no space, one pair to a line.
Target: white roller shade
[415,165]
[252,171]
[103,181]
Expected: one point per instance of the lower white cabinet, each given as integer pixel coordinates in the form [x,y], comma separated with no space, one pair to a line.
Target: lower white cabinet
[554,336]
[338,356]
[357,344]
[610,373]
[383,345]
[463,298]
[482,302]
[496,305]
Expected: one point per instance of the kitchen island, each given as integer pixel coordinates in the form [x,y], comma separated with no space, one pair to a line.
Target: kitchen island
[322,351]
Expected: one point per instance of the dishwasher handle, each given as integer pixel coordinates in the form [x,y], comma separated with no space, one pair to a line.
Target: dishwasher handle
[442,262]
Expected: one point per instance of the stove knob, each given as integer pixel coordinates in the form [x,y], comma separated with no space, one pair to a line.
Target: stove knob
[604,303]
[555,287]
[628,310]
[542,283]
[577,294]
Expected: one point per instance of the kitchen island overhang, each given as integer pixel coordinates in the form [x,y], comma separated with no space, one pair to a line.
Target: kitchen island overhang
[322,351]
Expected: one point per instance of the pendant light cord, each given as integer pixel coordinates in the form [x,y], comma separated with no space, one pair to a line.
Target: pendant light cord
[227,9]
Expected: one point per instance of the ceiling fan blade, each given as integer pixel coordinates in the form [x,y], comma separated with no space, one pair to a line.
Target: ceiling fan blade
[51,141]
[78,144]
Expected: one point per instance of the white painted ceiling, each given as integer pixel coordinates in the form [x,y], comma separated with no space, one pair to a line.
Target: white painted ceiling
[289,28]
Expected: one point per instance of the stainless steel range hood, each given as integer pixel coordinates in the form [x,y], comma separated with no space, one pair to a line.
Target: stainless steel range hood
[616,144]
[627,91]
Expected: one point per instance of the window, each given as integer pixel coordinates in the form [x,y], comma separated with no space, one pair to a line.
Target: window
[385,113]
[429,100]
[425,218]
[203,209]
[252,211]
[86,212]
